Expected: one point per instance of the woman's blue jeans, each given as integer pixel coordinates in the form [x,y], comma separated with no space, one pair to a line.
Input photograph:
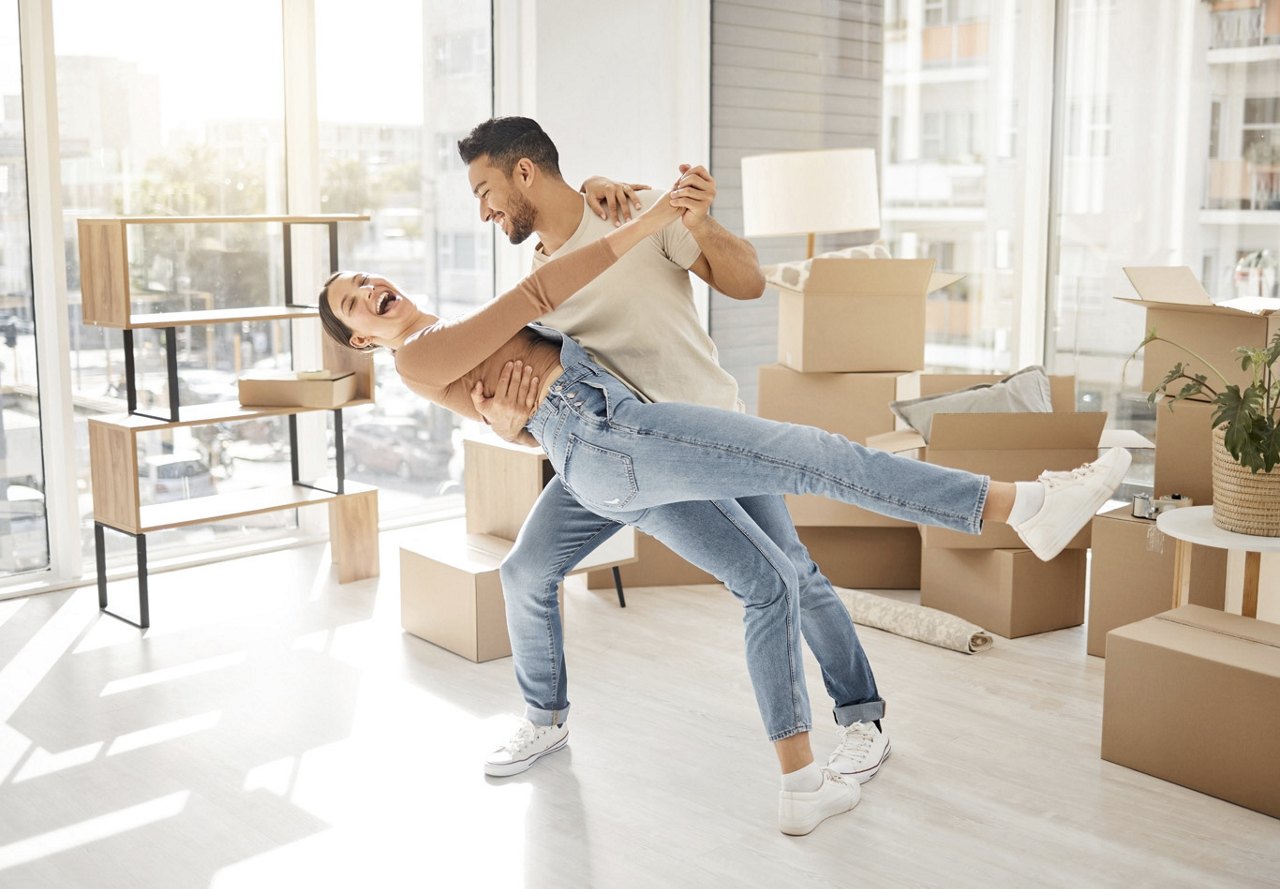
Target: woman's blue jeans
[655,466]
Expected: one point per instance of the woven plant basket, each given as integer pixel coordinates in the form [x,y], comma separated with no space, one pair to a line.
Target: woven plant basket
[1243,501]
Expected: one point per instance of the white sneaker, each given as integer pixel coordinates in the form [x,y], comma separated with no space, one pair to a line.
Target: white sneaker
[863,749]
[529,744]
[799,812]
[1071,499]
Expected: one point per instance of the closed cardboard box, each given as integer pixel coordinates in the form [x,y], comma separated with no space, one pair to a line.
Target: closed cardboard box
[856,315]
[287,388]
[451,595]
[1131,574]
[1192,696]
[1007,591]
[1183,458]
[1008,447]
[501,482]
[655,565]
[866,558]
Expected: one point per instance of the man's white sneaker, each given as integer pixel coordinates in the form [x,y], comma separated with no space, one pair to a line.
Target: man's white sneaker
[799,812]
[529,744]
[1070,500]
[862,750]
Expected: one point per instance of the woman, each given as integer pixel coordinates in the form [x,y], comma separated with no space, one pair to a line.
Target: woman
[621,456]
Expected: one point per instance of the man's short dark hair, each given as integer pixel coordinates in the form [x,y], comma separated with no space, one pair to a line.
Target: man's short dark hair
[507,139]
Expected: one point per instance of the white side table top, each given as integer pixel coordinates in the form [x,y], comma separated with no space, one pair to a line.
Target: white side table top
[1195,525]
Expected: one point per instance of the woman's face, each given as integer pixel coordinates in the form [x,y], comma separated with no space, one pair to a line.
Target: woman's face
[371,306]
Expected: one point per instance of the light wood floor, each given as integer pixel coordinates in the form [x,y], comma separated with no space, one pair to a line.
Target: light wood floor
[277,729]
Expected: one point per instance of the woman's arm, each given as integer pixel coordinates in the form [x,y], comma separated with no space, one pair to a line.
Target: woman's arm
[450,348]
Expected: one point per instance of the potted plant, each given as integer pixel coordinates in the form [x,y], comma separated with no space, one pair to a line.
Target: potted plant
[1246,431]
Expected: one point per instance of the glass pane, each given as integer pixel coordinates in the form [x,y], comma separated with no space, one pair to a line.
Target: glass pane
[950,183]
[1173,185]
[152,123]
[24,539]
[392,153]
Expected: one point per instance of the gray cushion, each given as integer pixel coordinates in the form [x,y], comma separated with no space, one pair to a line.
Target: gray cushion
[1026,390]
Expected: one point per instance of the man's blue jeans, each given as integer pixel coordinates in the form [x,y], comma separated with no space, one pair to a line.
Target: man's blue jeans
[670,470]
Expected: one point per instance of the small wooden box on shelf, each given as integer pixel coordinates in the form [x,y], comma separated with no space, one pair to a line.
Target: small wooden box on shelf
[113,440]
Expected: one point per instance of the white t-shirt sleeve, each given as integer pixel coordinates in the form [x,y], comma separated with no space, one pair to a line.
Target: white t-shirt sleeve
[679,245]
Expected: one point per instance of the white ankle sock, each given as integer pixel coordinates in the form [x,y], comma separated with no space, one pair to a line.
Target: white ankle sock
[805,780]
[1027,500]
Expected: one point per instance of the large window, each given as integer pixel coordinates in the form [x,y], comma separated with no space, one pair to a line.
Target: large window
[952,178]
[24,539]
[388,147]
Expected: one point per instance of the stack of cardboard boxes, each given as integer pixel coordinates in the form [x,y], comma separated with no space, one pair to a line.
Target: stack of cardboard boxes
[850,341]
[1193,664]
[450,589]
[991,579]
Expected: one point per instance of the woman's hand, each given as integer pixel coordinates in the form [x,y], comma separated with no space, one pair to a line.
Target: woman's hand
[612,200]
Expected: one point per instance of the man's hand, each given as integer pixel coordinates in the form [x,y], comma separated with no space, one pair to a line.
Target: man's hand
[693,193]
[508,409]
[612,200]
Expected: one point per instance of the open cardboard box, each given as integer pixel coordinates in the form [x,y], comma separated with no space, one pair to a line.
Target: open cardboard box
[1180,309]
[1190,697]
[857,315]
[1008,447]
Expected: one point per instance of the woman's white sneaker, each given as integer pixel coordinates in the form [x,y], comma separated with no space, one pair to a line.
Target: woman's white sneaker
[1070,500]
[529,744]
[799,812]
[862,750]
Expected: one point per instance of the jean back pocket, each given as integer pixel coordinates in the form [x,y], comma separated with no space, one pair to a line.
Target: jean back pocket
[599,477]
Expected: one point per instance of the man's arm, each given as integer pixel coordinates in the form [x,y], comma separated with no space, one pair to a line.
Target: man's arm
[508,409]
[728,263]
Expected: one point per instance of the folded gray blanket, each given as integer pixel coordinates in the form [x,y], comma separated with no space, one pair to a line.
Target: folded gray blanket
[915,621]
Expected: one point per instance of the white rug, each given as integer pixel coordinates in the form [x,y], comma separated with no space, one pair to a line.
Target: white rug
[915,622]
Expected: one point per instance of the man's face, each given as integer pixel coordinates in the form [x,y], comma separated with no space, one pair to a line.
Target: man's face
[501,200]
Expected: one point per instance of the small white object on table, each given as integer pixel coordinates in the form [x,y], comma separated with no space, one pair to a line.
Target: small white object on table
[1194,525]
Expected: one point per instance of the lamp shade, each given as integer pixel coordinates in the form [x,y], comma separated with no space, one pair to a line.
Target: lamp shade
[810,192]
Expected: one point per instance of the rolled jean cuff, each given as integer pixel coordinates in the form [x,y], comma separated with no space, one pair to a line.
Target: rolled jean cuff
[546,718]
[868,711]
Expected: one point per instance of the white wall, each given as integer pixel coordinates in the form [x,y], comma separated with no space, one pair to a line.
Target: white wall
[623,88]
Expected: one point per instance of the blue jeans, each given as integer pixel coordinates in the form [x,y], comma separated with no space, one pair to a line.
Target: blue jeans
[651,465]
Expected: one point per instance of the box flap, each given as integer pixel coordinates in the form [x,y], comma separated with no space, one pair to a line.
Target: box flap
[1016,431]
[293,376]
[1125,438]
[870,277]
[938,280]
[1225,624]
[1176,285]
[897,441]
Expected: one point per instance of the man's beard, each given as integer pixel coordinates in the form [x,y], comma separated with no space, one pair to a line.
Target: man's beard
[522,216]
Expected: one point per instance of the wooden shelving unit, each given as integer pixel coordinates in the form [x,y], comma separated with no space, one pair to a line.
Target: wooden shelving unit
[113,439]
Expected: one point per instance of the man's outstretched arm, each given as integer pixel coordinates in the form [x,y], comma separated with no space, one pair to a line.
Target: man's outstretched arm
[728,263]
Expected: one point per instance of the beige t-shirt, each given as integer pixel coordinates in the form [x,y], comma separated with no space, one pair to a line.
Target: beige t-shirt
[638,321]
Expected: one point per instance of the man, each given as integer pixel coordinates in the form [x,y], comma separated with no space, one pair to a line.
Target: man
[639,322]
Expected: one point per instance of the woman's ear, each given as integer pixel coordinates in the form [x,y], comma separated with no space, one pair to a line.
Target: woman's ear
[359,341]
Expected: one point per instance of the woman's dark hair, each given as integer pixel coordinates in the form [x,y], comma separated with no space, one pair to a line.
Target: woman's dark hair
[507,139]
[333,325]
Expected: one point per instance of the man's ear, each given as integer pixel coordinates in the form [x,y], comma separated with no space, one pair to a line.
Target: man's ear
[524,172]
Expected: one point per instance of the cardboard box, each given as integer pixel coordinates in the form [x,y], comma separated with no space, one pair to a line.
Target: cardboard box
[501,482]
[1007,591]
[451,594]
[288,388]
[866,558]
[1131,574]
[812,511]
[1191,697]
[856,315]
[1008,447]
[1180,309]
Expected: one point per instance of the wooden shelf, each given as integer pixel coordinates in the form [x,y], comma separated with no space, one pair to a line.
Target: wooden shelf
[202,510]
[204,414]
[213,316]
[187,220]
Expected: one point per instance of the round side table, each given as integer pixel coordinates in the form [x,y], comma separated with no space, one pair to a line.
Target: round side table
[1194,524]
